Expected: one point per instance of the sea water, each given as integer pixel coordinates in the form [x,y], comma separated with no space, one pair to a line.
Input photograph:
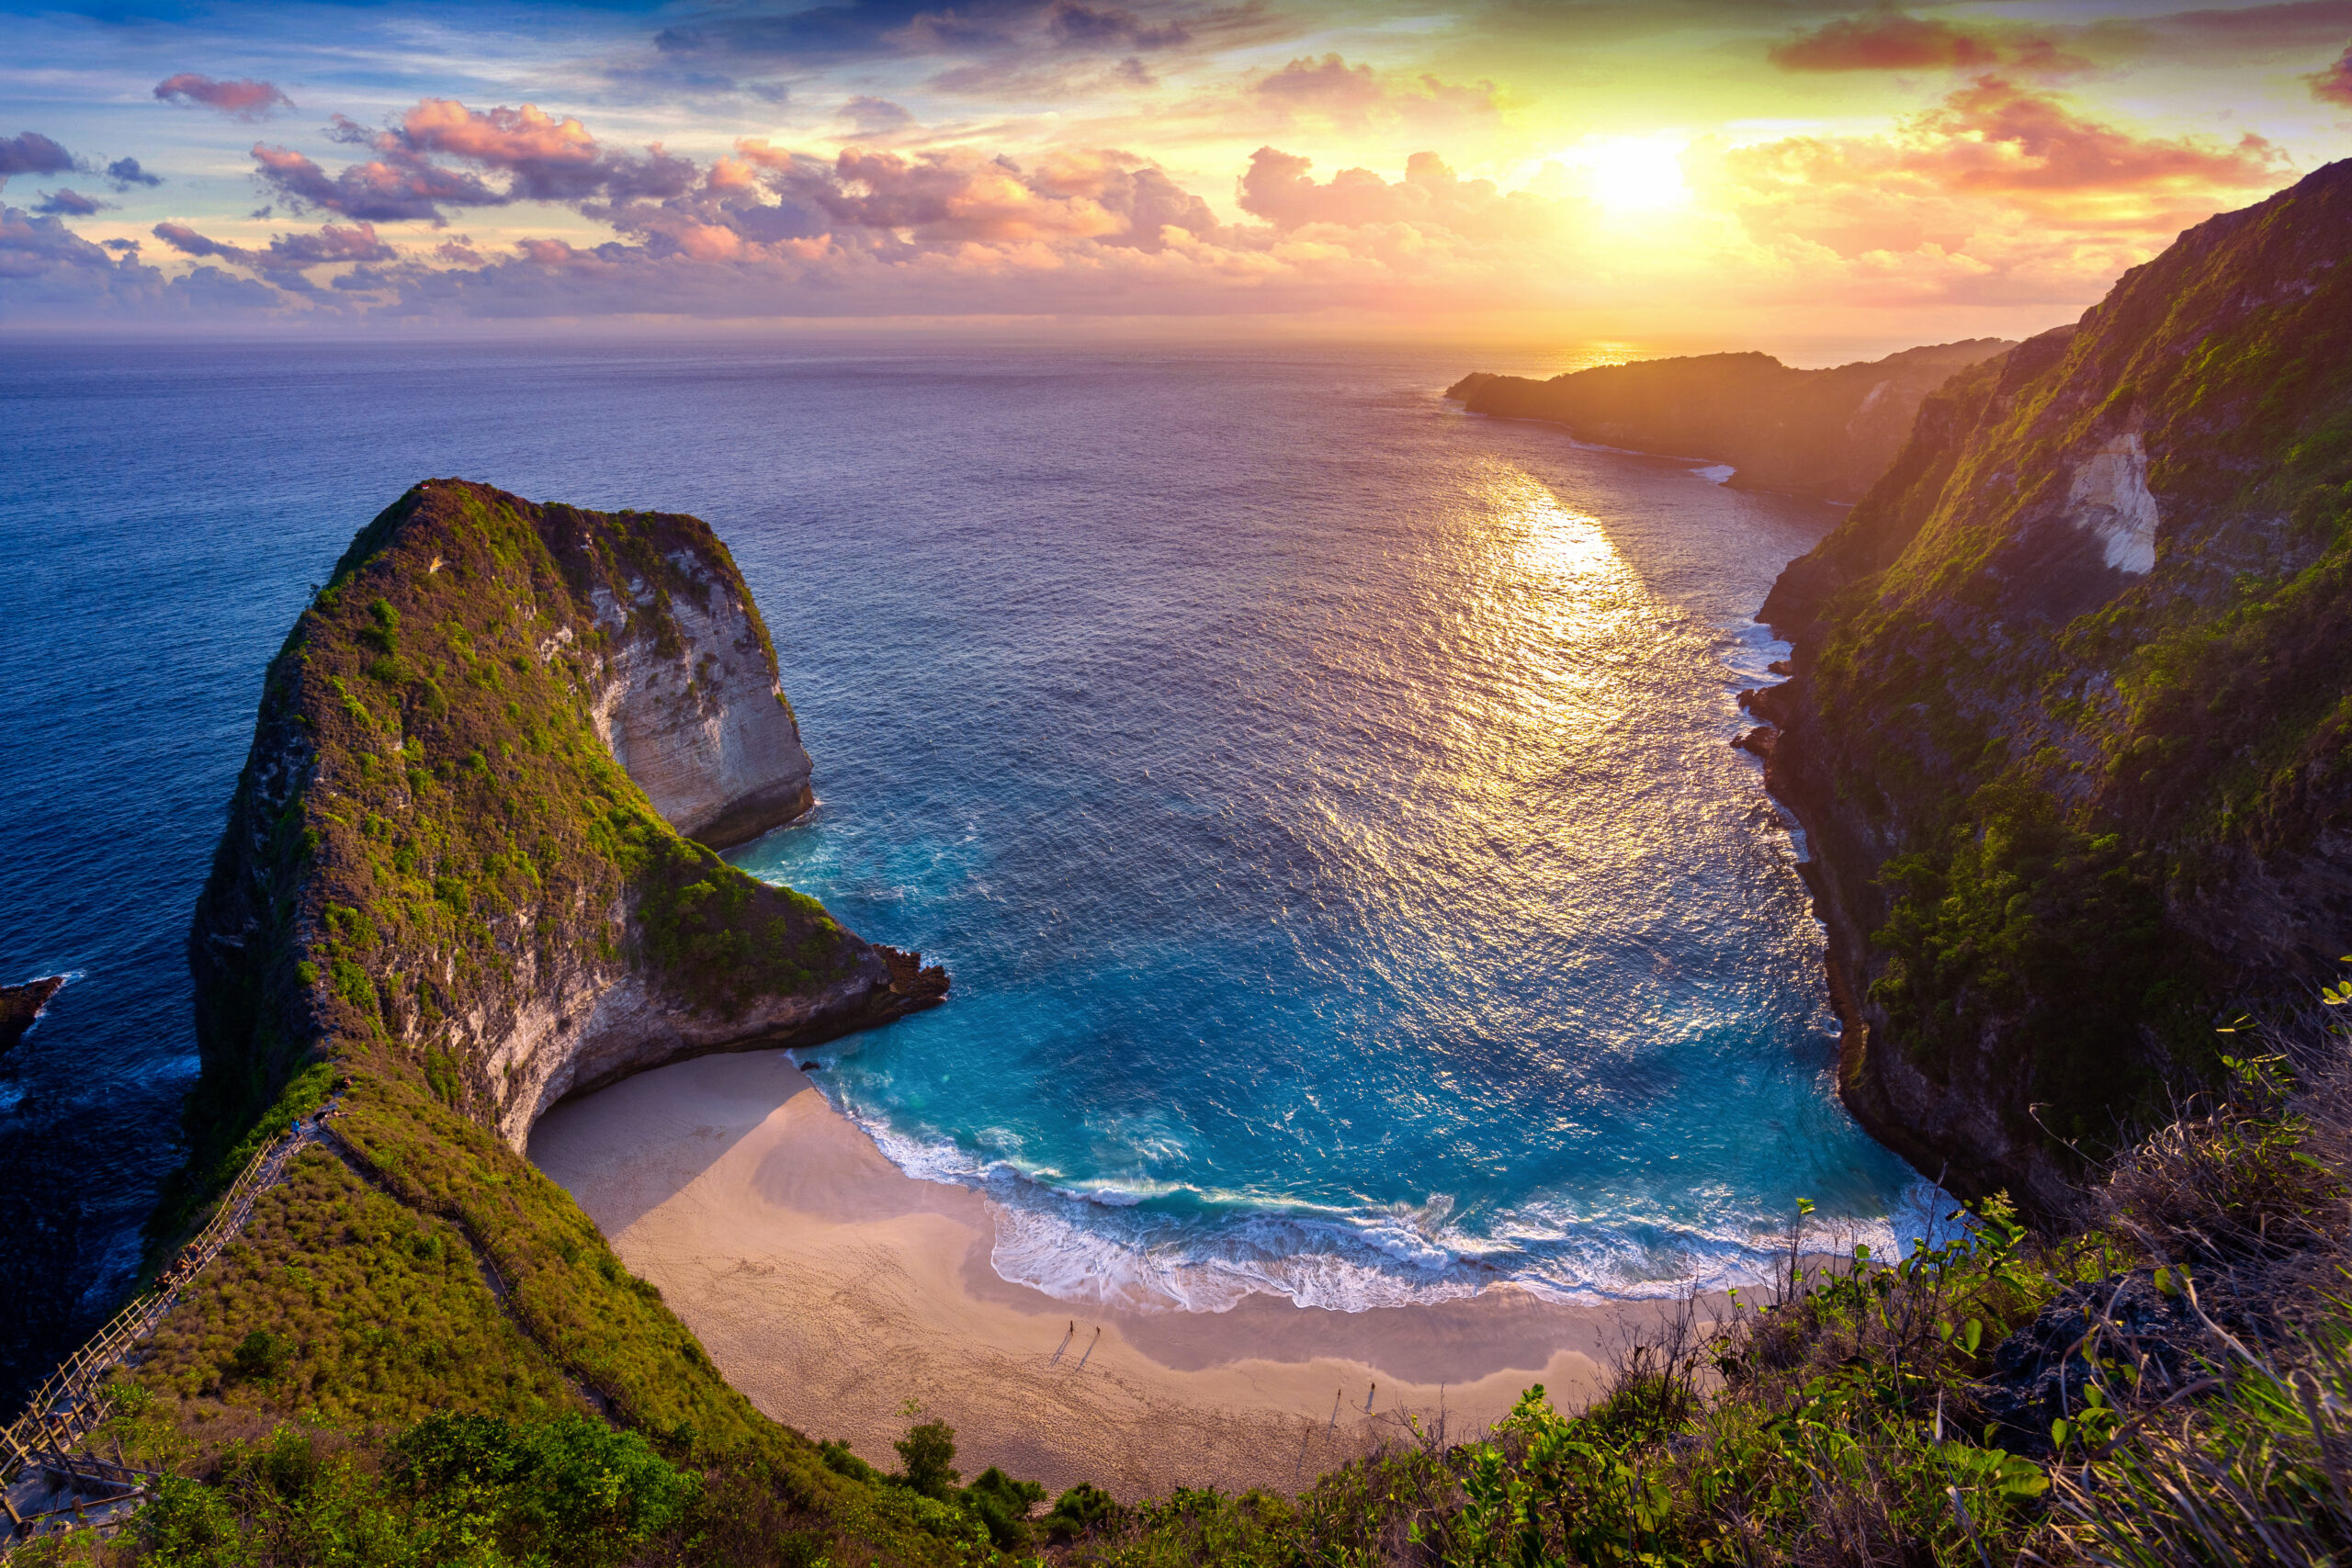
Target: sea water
[1323,798]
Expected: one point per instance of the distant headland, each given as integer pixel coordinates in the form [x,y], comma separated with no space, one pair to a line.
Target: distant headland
[1821,433]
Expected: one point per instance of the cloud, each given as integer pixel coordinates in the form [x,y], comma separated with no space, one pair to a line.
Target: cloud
[126,173]
[2252,29]
[1996,192]
[812,37]
[67,203]
[872,117]
[1328,90]
[288,255]
[243,98]
[1891,40]
[2334,85]
[30,152]
[1279,188]
[393,186]
[1109,29]
[548,160]
[539,157]
[48,272]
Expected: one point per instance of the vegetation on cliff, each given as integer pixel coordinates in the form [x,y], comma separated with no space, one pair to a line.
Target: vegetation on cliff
[2072,701]
[1828,432]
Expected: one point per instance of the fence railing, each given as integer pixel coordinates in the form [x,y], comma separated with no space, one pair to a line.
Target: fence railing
[69,1404]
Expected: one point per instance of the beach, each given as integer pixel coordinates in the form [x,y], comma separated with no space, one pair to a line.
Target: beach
[832,1289]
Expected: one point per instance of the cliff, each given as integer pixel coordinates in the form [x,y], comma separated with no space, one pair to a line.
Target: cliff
[2072,697]
[458,847]
[1824,433]
[441,901]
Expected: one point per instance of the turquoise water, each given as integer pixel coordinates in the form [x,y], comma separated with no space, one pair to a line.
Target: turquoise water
[1321,797]
[1324,803]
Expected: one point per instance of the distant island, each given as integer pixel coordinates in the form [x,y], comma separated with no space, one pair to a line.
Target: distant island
[1820,433]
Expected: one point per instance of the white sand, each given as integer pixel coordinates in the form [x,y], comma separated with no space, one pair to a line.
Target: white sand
[831,1288]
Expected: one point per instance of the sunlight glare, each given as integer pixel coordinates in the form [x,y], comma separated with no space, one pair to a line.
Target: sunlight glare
[1632,173]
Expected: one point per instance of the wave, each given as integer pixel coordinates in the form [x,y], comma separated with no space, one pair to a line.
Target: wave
[1125,1246]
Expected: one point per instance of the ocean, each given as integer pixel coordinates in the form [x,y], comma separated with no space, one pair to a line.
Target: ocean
[1322,799]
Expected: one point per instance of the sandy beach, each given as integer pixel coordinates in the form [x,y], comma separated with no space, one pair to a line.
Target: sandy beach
[830,1288]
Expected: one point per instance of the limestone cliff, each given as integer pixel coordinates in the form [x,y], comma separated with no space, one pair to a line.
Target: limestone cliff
[458,851]
[1825,433]
[2071,724]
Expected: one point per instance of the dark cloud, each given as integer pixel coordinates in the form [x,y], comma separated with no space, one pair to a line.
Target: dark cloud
[851,30]
[393,186]
[2298,24]
[1108,28]
[65,203]
[1326,84]
[874,115]
[30,152]
[1891,40]
[126,173]
[859,29]
[49,272]
[2334,85]
[288,255]
[124,247]
[242,99]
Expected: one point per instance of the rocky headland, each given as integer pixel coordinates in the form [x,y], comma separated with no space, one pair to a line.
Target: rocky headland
[2072,701]
[1821,433]
[464,845]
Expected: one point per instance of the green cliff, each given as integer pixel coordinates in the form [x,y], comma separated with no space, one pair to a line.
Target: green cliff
[1825,433]
[440,901]
[2072,700]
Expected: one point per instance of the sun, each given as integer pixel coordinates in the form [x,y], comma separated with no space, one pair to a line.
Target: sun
[1632,173]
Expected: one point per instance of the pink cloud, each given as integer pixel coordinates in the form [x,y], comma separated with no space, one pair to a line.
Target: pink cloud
[1986,158]
[2334,85]
[243,98]
[1279,188]
[1890,41]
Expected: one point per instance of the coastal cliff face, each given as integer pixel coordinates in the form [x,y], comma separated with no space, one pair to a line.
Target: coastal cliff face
[2070,730]
[1824,432]
[458,852]
[696,718]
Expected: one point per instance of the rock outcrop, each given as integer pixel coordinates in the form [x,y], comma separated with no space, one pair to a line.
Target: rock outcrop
[1824,433]
[21,1007]
[2070,726]
[459,851]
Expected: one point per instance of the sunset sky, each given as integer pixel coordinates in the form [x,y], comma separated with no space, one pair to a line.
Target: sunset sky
[1671,172]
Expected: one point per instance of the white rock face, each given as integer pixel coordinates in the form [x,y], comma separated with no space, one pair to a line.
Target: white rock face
[2109,499]
[705,731]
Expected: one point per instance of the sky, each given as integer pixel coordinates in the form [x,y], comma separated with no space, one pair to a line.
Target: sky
[1671,172]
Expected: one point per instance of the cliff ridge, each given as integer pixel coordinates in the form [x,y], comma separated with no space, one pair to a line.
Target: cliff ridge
[2072,701]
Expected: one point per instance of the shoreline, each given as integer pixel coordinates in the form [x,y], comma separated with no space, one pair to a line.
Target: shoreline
[830,1288]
